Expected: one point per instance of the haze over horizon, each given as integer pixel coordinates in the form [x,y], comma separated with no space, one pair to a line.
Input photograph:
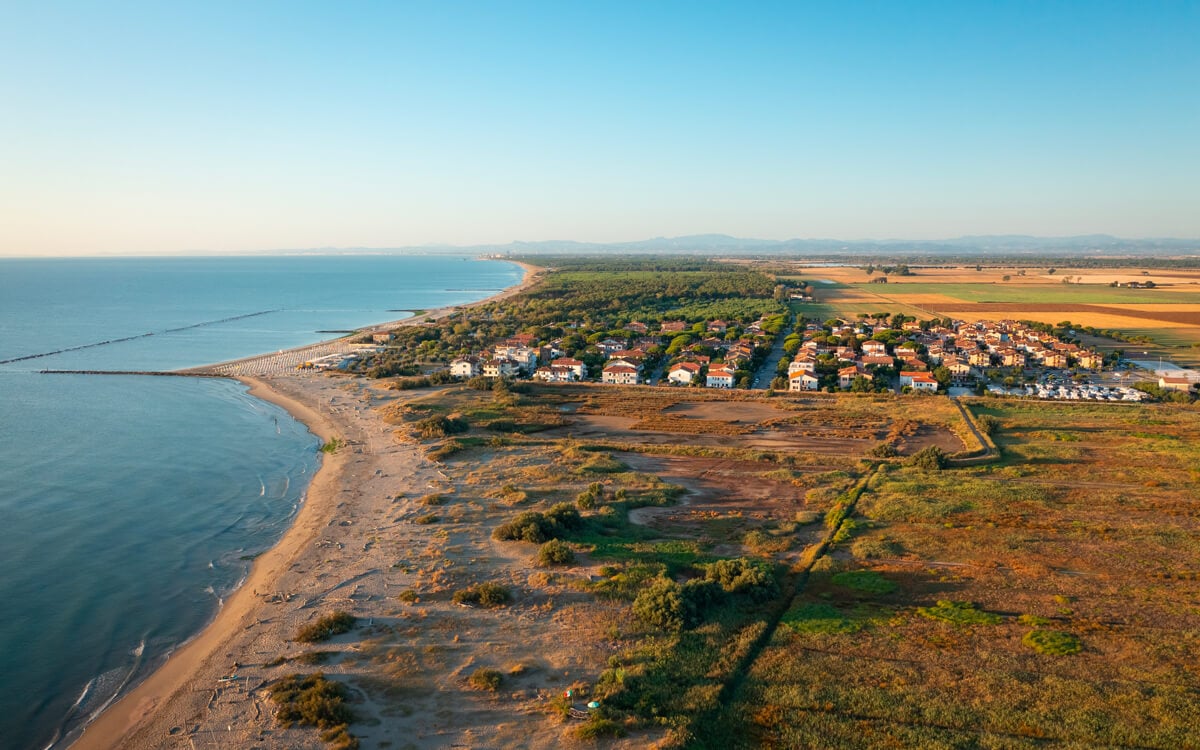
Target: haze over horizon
[149,128]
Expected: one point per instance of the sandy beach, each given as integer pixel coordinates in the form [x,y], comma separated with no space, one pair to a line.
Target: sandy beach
[341,552]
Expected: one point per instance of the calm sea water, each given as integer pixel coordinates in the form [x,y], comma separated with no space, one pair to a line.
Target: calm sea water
[132,505]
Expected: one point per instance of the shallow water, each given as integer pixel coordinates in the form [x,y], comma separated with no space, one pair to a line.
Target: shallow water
[132,505]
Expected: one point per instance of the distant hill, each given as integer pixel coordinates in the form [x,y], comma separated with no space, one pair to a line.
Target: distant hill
[1009,245]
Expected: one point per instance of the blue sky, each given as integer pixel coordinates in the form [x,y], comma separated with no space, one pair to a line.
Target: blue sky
[171,127]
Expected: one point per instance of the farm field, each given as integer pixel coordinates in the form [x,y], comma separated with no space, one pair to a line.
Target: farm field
[1169,315]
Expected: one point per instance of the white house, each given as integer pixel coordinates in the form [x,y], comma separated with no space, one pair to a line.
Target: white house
[578,368]
[803,381]
[555,374]
[524,357]
[619,374]
[720,376]
[918,381]
[500,368]
[683,373]
[465,367]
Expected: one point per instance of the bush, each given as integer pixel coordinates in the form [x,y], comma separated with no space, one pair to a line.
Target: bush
[564,517]
[311,700]
[987,424]
[661,605]
[1052,642]
[929,459]
[434,499]
[555,552]
[535,527]
[326,627]
[529,526]
[596,727]
[488,595]
[743,576]
[883,450]
[485,679]
[441,426]
[427,519]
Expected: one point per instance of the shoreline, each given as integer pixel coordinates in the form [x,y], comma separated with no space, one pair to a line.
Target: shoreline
[124,722]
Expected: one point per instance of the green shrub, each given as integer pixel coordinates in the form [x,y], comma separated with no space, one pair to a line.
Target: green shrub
[929,459]
[987,424]
[743,576]
[531,526]
[333,445]
[427,519]
[409,596]
[1035,621]
[488,595]
[485,679]
[311,700]
[326,627]
[441,426]
[959,613]
[555,552]
[866,581]
[883,450]
[845,530]
[564,518]
[1052,642]
[597,727]
[661,605]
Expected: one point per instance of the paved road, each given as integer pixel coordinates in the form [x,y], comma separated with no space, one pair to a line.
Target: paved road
[766,373]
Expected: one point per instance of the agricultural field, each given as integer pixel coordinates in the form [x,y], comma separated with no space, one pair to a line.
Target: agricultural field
[711,574]
[1167,317]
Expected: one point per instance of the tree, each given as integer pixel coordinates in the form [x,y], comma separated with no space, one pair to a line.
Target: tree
[942,374]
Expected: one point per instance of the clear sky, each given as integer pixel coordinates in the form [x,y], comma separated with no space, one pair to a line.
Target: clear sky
[167,127]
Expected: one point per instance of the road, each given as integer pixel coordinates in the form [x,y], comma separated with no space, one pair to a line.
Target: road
[766,373]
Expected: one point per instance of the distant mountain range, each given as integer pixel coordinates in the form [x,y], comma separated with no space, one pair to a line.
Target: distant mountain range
[720,244]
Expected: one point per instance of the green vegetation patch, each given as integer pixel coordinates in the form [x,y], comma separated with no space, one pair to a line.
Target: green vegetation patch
[1052,642]
[488,595]
[485,679]
[959,613]
[312,700]
[820,618]
[326,627]
[865,581]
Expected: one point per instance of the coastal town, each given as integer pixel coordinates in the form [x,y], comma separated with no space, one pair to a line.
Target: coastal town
[879,354]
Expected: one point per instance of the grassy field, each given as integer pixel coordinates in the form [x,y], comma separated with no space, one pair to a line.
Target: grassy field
[1049,599]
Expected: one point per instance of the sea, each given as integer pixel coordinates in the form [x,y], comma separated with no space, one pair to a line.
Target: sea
[130,506]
